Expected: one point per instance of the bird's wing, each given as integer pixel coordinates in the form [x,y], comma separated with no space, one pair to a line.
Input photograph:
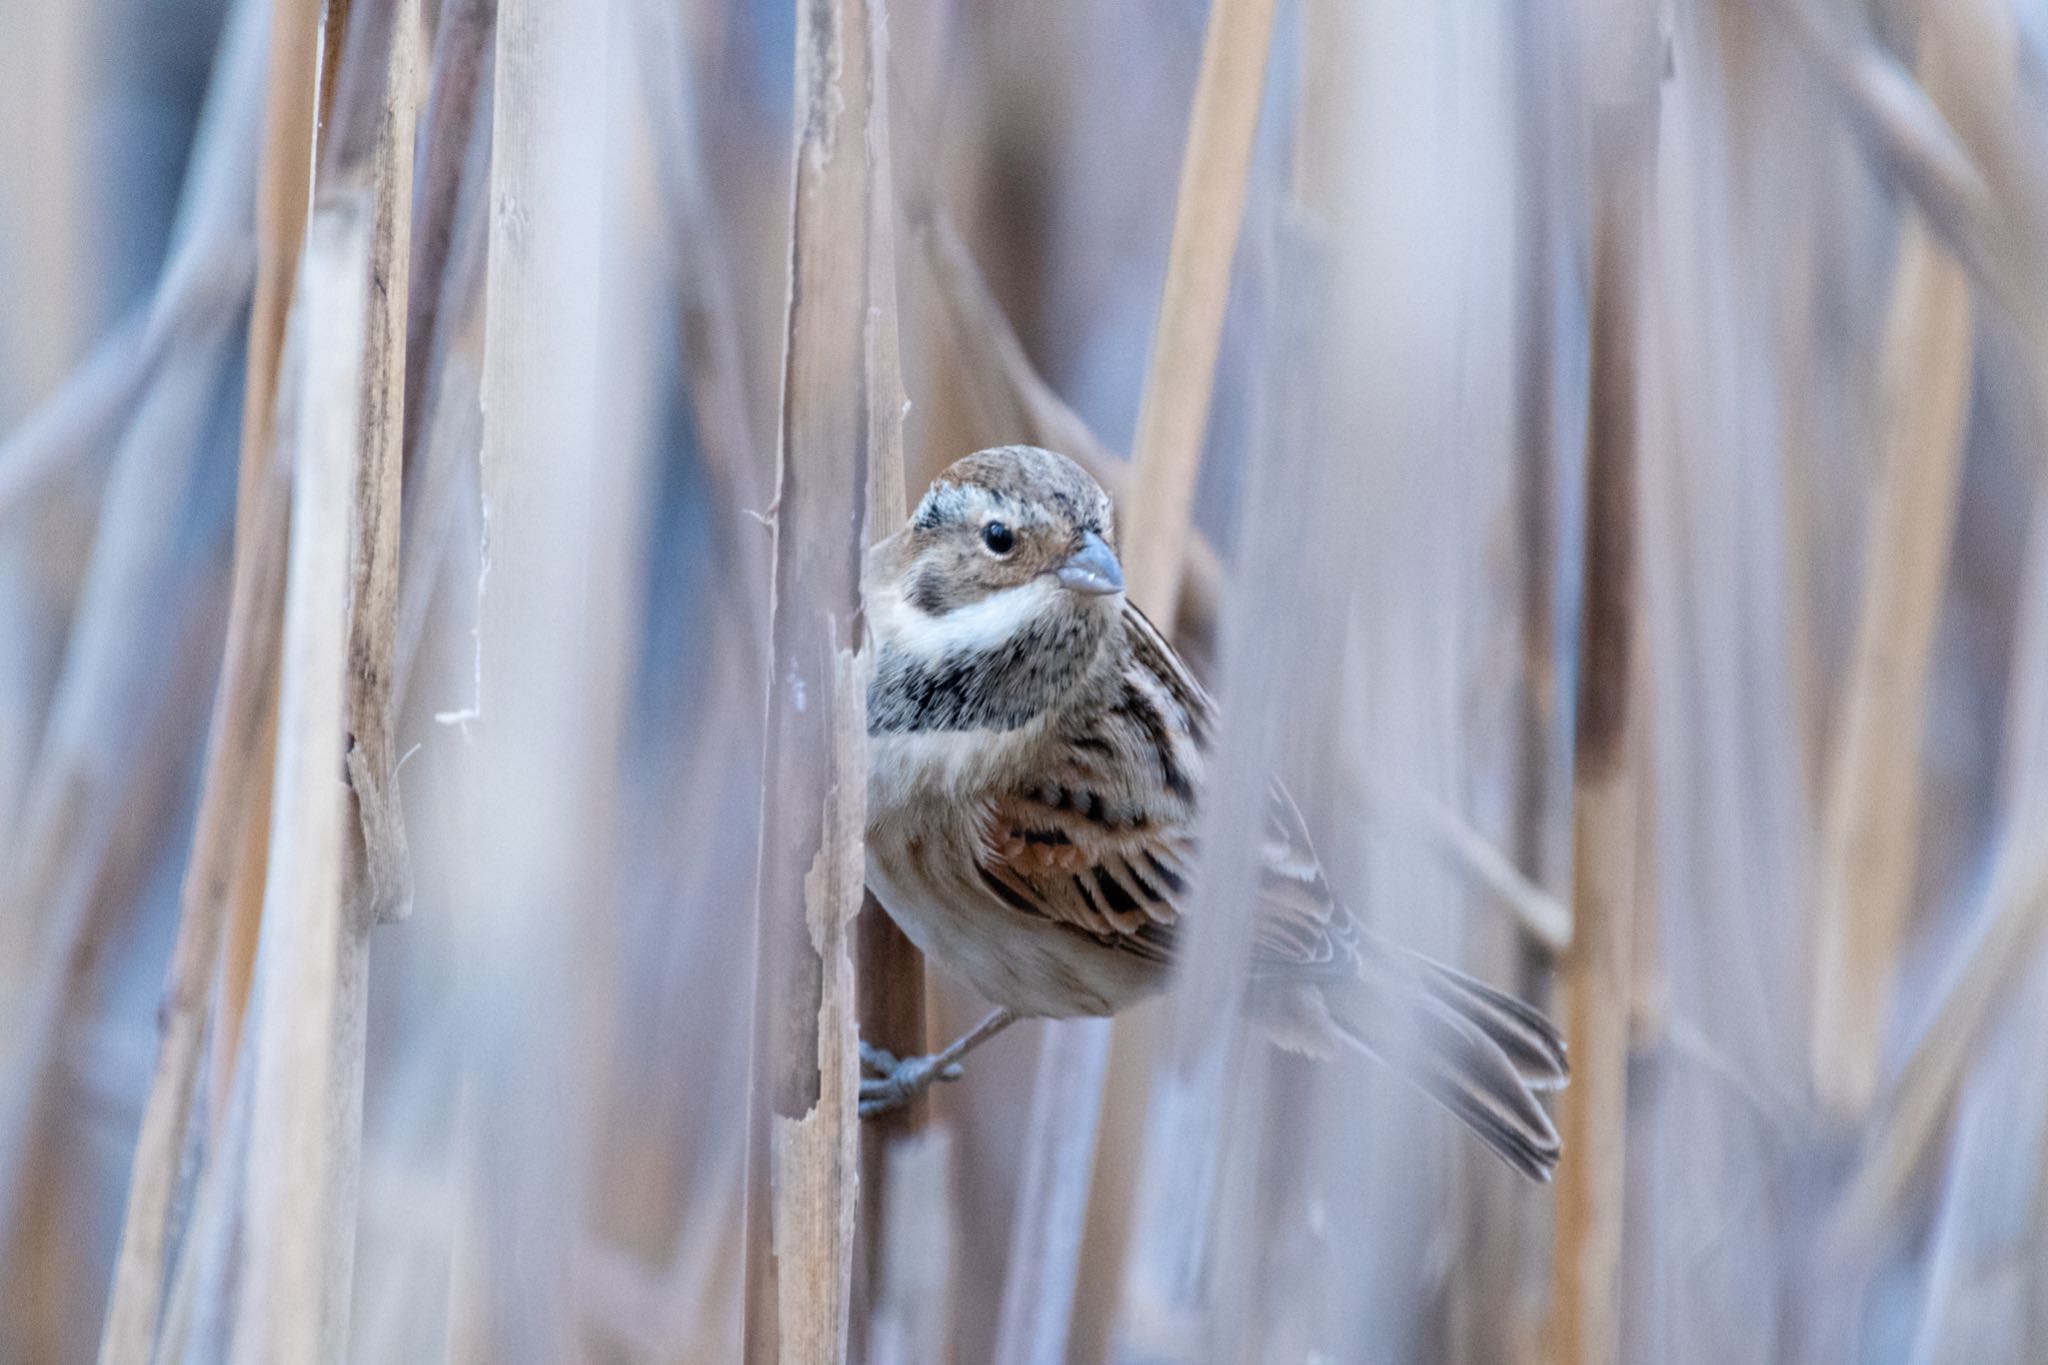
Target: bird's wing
[1085,853]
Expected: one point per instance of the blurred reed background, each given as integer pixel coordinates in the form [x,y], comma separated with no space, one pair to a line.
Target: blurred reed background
[1593,447]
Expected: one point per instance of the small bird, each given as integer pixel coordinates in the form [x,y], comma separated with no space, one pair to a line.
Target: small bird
[1036,759]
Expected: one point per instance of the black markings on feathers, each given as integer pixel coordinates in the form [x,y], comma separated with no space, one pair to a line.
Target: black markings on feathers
[1137,709]
[1006,893]
[1120,900]
[1000,688]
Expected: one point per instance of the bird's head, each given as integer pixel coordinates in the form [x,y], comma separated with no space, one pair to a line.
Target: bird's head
[993,605]
[1009,544]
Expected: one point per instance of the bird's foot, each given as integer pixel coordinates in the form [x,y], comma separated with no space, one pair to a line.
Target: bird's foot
[890,1082]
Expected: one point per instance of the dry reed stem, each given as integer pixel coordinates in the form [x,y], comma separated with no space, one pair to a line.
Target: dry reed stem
[225,846]
[802,1171]
[1173,414]
[380,878]
[714,372]
[1871,816]
[135,1299]
[199,1300]
[306,1115]
[284,190]
[1476,861]
[1597,971]
[82,416]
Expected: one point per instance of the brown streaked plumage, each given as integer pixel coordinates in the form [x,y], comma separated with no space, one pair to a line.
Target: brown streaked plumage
[1037,757]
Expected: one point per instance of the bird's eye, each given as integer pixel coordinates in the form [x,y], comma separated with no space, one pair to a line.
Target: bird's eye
[999,538]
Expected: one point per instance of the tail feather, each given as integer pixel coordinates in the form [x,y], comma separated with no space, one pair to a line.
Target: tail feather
[1531,1041]
[1481,1054]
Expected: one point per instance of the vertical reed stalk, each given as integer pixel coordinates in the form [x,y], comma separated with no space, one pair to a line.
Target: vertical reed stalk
[1598,968]
[802,1160]
[531,816]
[1173,415]
[1871,817]
[284,190]
[306,1119]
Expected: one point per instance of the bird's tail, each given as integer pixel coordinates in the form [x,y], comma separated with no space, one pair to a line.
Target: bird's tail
[1481,1054]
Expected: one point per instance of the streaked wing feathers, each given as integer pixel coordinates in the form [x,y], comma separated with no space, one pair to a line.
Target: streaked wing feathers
[1119,871]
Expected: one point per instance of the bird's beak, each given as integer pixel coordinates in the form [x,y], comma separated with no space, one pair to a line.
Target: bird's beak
[1092,569]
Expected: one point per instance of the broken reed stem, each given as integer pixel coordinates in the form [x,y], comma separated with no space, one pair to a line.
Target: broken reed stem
[1597,972]
[802,1174]
[1173,414]
[1871,817]
[306,1116]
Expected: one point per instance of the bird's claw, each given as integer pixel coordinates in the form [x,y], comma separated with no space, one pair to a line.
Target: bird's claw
[888,1082]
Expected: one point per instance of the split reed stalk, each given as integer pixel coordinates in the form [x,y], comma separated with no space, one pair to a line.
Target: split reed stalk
[803,1150]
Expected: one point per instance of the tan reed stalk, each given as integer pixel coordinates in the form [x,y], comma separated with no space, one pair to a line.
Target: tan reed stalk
[284,191]
[1597,970]
[379,872]
[803,1149]
[1871,815]
[1173,414]
[252,645]
[1907,1132]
